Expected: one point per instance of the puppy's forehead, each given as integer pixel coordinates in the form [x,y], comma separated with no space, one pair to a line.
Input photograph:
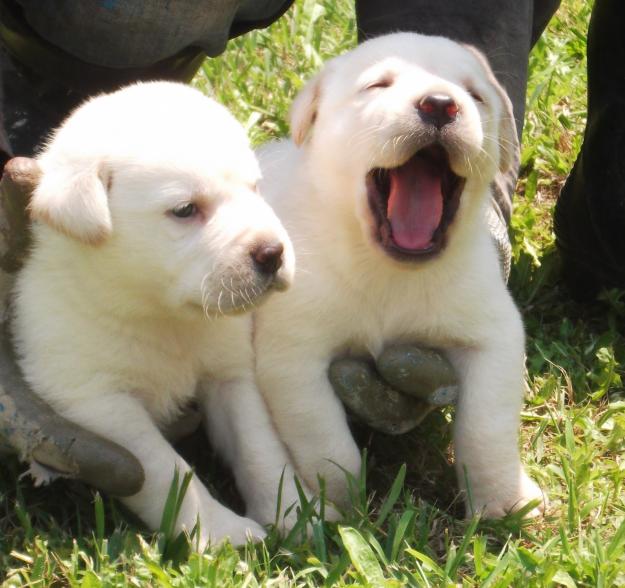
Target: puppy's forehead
[407,53]
[161,187]
[151,124]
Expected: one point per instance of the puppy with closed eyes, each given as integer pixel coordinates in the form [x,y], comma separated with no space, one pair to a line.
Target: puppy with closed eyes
[383,191]
[150,242]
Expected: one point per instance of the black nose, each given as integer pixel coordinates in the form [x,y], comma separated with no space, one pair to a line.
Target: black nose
[268,257]
[437,109]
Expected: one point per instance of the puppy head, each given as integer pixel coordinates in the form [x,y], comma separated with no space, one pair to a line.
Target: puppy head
[415,129]
[157,184]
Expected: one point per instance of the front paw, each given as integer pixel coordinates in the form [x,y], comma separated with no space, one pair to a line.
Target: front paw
[219,524]
[238,530]
[336,472]
[498,500]
[290,507]
[280,507]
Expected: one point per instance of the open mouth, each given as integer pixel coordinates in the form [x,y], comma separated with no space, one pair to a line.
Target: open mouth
[414,204]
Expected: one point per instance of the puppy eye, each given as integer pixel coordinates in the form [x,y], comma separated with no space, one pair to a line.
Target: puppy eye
[477,97]
[186,210]
[384,82]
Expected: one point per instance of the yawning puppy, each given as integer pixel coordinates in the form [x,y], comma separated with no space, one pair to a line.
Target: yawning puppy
[383,192]
[149,231]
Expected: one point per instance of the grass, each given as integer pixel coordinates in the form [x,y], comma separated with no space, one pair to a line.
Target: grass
[401,531]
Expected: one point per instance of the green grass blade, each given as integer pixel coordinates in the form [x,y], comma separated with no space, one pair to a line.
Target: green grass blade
[405,522]
[392,497]
[362,556]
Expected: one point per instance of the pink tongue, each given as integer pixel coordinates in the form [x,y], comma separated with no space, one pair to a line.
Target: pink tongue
[415,204]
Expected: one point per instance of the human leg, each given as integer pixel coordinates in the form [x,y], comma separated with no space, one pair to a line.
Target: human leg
[590,212]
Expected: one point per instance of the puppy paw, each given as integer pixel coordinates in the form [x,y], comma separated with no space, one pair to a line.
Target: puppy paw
[531,492]
[500,501]
[248,530]
[331,514]
[290,509]
[336,473]
[238,530]
[266,512]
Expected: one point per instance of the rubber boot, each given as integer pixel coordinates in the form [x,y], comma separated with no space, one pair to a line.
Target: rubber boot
[589,220]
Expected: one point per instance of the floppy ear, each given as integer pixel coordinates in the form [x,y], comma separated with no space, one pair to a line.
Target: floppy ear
[509,150]
[74,201]
[304,109]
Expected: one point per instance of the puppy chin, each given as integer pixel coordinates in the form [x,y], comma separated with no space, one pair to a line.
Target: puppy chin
[243,301]
[195,310]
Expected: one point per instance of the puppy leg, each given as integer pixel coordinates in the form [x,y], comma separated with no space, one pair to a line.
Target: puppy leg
[123,419]
[311,422]
[486,430]
[241,429]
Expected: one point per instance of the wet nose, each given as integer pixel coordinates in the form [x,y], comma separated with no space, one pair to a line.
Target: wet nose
[268,257]
[437,109]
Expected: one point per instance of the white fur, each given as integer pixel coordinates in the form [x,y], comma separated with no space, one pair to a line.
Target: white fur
[350,296]
[120,310]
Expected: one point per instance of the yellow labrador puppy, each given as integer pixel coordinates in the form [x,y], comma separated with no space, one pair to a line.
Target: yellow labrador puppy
[149,231]
[383,191]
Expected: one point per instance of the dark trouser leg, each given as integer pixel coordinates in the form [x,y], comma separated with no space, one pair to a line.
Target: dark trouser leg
[30,108]
[590,213]
[40,83]
[504,30]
